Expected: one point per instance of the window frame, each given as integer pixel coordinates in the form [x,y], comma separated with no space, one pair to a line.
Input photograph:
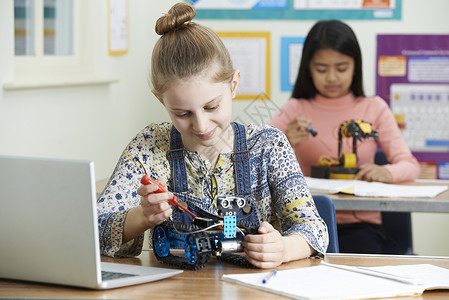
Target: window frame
[47,71]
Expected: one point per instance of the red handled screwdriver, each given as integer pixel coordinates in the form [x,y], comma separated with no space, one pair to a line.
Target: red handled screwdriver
[173,201]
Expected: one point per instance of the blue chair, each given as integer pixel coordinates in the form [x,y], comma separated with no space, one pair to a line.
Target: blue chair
[326,209]
[397,225]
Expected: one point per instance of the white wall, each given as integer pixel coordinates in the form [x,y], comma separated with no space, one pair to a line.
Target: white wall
[90,122]
[96,122]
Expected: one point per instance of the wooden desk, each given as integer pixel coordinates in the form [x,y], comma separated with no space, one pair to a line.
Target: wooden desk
[438,204]
[205,283]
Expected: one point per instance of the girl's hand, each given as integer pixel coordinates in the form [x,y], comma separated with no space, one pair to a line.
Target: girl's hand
[297,130]
[155,206]
[153,210]
[264,250]
[372,172]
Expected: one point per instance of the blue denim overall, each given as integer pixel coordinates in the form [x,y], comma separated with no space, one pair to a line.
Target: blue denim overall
[241,158]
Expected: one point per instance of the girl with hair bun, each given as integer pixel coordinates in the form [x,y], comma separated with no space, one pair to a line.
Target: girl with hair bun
[201,155]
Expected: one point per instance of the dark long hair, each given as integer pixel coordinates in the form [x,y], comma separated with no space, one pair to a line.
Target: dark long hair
[329,34]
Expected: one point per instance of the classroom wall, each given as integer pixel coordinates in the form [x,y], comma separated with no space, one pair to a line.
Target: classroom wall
[89,122]
[97,122]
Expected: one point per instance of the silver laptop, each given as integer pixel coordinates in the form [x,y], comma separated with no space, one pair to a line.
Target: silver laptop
[48,226]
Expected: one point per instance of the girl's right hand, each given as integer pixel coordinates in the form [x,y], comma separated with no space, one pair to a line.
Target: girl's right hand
[297,130]
[155,207]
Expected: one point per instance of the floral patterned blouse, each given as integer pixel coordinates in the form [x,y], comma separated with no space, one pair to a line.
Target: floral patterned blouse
[278,188]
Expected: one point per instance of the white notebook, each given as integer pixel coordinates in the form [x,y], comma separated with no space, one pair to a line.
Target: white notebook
[49,226]
[345,282]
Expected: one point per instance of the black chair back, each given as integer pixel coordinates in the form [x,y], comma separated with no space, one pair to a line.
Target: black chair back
[397,225]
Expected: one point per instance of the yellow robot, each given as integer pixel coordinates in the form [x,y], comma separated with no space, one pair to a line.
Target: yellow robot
[346,166]
[358,130]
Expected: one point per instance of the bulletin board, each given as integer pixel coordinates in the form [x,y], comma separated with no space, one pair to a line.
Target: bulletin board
[291,52]
[298,9]
[413,77]
[250,54]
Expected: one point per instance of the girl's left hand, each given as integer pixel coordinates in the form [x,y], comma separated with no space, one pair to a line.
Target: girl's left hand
[372,172]
[264,250]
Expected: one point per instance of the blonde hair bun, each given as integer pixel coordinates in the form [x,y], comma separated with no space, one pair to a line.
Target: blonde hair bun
[177,17]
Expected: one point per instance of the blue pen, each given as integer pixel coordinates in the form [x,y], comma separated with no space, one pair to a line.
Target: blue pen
[310,130]
[314,133]
[269,276]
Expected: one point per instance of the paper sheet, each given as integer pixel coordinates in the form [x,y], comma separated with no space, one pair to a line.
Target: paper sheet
[373,189]
[324,282]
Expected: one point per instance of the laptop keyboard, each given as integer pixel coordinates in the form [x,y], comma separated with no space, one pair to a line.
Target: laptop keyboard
[106,275]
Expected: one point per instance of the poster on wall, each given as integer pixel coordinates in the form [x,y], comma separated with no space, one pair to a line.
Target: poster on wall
[118,27]
[298,9]
[291,52]
[413,77]
[250,54]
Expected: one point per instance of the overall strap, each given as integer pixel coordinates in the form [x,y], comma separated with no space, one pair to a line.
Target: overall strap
[241,157]
[177,163]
